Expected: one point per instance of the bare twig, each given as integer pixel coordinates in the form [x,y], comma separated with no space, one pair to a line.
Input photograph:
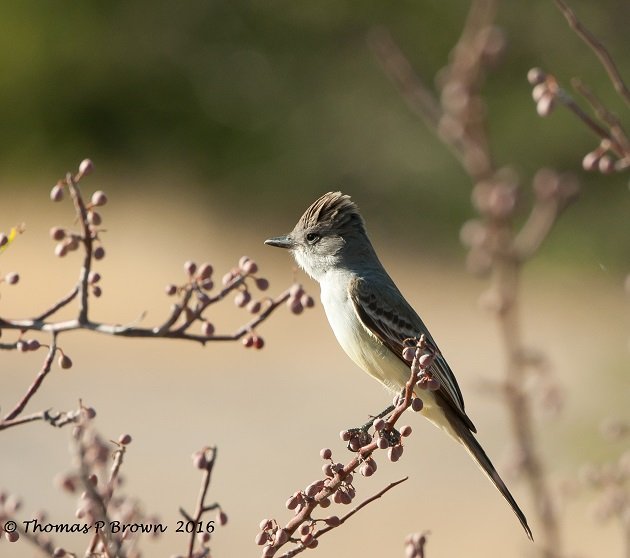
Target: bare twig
[194,298]
[54,419]
[339,477]
[36,383]
[204,460]
[301,547]
[621,145]
[494,195]
[598,48]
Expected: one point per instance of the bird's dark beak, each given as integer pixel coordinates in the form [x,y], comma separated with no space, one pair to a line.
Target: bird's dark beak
[280,242]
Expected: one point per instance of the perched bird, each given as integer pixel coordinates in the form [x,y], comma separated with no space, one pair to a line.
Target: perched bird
[371,319]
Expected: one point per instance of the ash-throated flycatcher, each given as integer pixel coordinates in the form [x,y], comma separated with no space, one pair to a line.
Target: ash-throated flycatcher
[371,319]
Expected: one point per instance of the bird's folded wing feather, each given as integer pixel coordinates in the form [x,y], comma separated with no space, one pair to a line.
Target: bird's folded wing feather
[388,316]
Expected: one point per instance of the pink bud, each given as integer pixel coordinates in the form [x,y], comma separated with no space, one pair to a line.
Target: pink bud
[12,278]
[124,439]
[378,424]
[295,305]
[60,250]
[199,460]
[242,298]
[325,453]
[65,362]
[408,353]
[261,538]
[99,253]
[170,290]
[417,404]
[254,306]
[606,165]
[591,160]
[190,267]
[545,105]
[539,91]
[99,198]
[405,431]
[250,267]
[262,283]
[207,329]
[57,233]
[536,76]
[86,167]
[56,194]
[259,342]
[205,271]
[426,360]
[94,218]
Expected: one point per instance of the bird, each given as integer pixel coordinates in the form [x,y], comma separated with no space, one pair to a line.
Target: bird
[372,320]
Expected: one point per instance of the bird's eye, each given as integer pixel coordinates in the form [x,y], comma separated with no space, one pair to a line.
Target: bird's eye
[312,238]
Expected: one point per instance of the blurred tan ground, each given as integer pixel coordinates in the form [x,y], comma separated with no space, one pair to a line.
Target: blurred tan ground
[271,411]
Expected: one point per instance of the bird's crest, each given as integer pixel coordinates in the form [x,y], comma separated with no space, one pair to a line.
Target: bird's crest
[333,211]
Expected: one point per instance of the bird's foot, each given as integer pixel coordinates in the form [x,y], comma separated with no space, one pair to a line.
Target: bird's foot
[360,436]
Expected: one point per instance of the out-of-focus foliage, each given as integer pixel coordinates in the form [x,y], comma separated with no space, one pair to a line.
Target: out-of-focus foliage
[283,100]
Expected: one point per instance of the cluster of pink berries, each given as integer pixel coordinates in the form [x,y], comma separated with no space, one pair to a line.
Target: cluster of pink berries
[68,241]
[544,92]
[421,362]
[204,460]
[298,299]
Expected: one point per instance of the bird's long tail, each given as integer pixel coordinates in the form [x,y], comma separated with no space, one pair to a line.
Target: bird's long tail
[468,440]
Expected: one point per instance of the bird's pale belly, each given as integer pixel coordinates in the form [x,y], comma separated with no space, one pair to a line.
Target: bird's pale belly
[369,353]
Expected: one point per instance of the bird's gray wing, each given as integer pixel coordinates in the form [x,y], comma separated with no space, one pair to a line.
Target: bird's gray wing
[388,316]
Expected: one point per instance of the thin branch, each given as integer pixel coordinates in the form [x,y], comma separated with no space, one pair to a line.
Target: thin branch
[614,124]
[88,241]
[337,479]
[206,462]
[536,228]
[102,504]
[300,547]
[54,419]
[598,48]
[58,306]
[567,100]
[37,382]
[152,333]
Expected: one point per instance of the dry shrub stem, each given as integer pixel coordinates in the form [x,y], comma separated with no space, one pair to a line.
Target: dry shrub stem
[598,48]
[464,132]
[45,370]
[201,508]
[340,477]
[300,547]
[195,297]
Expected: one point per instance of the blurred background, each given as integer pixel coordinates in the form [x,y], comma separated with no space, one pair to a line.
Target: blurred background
[212,126]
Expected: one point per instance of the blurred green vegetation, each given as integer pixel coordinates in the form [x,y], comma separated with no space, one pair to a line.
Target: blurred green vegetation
[275,102]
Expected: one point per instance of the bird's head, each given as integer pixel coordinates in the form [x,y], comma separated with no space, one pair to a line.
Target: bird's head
[330,234]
